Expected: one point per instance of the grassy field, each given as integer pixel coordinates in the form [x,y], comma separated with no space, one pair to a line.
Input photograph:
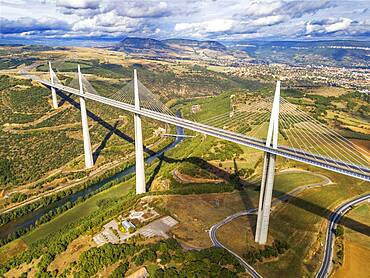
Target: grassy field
[285,181]
[328,91]
[300,221]
[360,214]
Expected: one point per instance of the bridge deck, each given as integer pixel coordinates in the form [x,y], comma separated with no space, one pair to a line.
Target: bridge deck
[290,153]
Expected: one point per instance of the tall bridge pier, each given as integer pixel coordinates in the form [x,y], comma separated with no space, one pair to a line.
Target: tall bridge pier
[268,173]
[53,92]
[89,162]
[139,153]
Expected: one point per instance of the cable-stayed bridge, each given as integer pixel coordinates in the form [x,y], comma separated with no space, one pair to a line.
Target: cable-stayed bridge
[270,124]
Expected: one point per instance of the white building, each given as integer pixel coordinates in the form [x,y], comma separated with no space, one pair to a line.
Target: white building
[127,225]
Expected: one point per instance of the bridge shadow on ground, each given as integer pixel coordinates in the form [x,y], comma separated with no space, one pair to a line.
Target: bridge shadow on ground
[155,173]
[111,129]
[104,142]
[315,209]
[240,184]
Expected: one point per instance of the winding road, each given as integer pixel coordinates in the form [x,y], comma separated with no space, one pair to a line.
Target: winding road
[335,217]
[212,234]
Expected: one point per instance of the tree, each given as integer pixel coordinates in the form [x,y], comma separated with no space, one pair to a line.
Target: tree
[159,273]
[5,171]
[339,231]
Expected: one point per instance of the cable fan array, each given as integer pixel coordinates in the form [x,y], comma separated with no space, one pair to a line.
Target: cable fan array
[147,99]
[307,136]
[87,87]
[299,132]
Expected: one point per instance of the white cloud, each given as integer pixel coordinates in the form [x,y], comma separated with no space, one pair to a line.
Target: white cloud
[330,25]
[109,22]
[268,20]
[339,26]
[142,9]
[78,4]
[28,24]
[212,26]
[260,8]
[205,19]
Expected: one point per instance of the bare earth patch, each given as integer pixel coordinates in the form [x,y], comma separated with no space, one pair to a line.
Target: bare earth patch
[356,261]
[197,213]
[11,249]
[29,268]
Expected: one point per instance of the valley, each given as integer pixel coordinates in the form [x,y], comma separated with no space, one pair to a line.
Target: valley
[197,180]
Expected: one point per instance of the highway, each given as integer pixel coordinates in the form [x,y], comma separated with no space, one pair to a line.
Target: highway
[335,217]
[294,154]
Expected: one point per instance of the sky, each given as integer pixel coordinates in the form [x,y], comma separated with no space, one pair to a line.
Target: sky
[203,20]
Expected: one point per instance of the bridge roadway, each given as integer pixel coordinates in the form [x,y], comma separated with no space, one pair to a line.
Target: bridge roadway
[297,155]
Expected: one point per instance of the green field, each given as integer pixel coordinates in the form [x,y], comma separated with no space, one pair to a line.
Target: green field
[285,182]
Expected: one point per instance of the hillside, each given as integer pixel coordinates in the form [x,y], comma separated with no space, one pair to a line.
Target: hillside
[183,49]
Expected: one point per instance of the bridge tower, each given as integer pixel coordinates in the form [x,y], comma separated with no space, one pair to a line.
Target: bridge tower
[89,162]
[268,173]
[53,92]
[139,154]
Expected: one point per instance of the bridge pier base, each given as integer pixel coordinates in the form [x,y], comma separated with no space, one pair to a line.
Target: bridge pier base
[139,152]
[89,162]
[53,92]
[267,183]
[264,205]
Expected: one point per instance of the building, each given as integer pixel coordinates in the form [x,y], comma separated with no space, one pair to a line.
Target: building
[127,225]
[159,131]
[195,108]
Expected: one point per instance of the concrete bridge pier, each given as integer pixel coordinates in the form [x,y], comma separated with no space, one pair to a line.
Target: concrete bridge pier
[89,162]
[267,183]
[53,92]
[139,153]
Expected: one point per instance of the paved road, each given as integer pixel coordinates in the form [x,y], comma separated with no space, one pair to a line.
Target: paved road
[335,217]
[215,242]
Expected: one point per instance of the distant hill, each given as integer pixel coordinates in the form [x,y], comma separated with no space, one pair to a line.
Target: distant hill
[212,45]
[180,49]
[140,44]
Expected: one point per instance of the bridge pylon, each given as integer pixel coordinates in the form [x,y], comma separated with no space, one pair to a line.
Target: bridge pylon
[268,173]
[89,162]
[139,153]
[53,92]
